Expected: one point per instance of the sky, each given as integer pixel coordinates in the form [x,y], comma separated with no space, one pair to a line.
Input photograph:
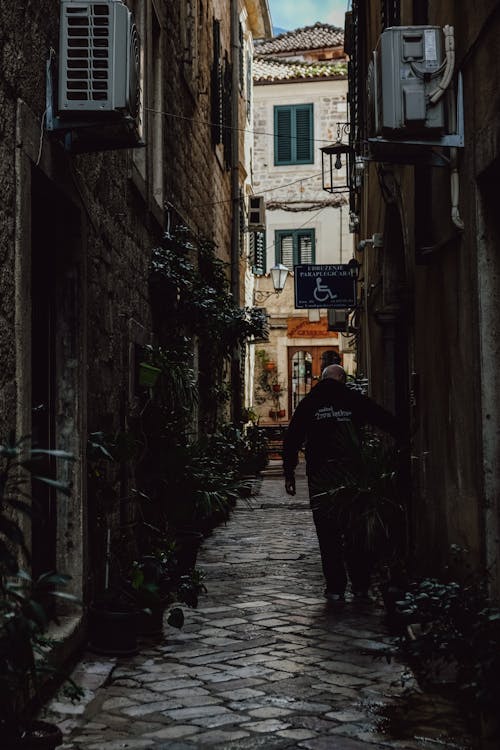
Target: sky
[291,14]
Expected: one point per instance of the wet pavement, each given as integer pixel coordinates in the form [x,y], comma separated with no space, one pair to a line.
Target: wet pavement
[261,663]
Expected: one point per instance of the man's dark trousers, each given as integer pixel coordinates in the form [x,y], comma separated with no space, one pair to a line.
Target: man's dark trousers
[339,556]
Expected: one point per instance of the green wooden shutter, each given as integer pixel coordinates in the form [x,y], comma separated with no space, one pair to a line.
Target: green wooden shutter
[258,252]
[304,133]
[283,135]
[284,248]
[217,86]
[305,249]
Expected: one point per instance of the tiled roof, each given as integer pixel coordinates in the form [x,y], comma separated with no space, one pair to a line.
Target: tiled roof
[319,36]
[272,69]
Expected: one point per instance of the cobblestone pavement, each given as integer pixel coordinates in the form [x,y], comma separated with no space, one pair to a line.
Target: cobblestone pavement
[261,663]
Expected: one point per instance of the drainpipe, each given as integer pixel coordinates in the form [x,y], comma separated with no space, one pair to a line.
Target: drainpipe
[235,201]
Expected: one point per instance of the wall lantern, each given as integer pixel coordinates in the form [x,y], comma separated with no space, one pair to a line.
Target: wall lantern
[279,275]
[338,156]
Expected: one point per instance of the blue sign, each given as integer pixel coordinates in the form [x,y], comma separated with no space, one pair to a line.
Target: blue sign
[329,286]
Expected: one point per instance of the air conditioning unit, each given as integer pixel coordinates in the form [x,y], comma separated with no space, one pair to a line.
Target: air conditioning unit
[256,213]
[99,58]
[96,104]
[411,71]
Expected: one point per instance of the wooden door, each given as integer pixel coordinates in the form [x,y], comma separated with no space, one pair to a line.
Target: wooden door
[305,365]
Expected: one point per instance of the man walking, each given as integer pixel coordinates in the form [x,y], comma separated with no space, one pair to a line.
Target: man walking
[325,420]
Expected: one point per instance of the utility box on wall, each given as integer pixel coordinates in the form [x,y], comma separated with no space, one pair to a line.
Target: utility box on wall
[408,66]
[99,58]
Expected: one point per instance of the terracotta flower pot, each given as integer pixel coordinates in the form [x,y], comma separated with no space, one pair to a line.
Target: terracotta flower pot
[270,366]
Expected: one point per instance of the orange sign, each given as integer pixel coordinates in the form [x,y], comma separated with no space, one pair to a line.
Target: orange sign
[305,328]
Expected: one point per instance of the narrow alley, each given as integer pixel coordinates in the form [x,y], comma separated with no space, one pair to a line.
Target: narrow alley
[261,662]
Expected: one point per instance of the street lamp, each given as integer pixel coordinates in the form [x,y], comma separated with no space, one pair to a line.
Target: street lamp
[279,275]
[333,158]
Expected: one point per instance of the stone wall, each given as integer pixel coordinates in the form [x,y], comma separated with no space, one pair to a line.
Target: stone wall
[429,333]
[76,234]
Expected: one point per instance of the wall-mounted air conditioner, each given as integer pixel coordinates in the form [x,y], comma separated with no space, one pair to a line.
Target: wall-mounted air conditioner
[99,58]
[411,71]
[256,213]
[97,103]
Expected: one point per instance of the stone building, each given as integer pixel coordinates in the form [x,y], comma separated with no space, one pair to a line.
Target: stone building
[428,223]
[81,211]
[300,106]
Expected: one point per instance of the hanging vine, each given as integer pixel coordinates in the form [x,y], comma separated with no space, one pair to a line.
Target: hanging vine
[191,297]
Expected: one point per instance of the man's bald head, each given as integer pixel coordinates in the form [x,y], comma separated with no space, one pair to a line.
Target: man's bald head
[335,372]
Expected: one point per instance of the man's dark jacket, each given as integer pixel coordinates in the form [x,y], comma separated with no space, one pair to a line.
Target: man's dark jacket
[325,420]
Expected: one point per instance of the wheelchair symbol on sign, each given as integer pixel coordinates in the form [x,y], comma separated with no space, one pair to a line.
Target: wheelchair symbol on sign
[322,293]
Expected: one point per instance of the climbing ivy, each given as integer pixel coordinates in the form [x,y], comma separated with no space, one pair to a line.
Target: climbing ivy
[191,297]
[192,281]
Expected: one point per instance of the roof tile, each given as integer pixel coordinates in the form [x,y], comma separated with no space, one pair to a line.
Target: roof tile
[319,36]
[272,69]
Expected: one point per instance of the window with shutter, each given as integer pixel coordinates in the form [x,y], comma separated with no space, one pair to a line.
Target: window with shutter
[294,134]
[283,135]
[217,86]
[249,87]
[304,144]
[258,252]
[241,55]
[286,250]
[305,247]
[227,111]
[295,247]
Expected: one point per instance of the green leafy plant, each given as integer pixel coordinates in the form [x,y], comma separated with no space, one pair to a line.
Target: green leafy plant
[24,620]
[190,587]
[269,386]
[454,623]
[361,493]
[191,296]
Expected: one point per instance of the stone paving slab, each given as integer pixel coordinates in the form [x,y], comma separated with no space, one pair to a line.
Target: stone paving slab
[262,663]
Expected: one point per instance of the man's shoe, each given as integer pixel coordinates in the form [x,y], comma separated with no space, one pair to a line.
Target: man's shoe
[335,601]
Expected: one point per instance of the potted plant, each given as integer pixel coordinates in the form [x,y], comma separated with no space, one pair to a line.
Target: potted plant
[450,633]
[152,588]
[24,647]
[111,616]
[148,374]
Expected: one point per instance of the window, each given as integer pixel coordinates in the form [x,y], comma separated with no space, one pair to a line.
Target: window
[221,79]
[293,134]
[249,87]
[258,252]
[295,247]
[156,119]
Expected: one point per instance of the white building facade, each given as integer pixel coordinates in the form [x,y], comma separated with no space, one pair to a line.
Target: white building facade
[300,106]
